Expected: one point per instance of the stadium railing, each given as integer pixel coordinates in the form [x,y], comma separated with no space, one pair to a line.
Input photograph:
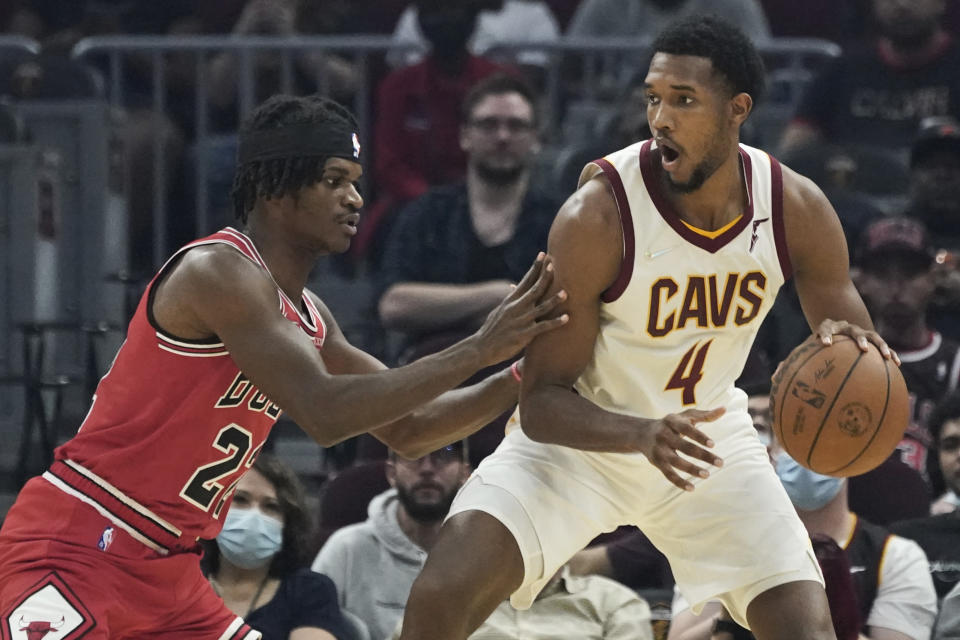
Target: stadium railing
[602,62]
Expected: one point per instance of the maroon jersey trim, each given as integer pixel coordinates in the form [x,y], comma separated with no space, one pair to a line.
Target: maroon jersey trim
[672,218]
[619,285]
[779,230]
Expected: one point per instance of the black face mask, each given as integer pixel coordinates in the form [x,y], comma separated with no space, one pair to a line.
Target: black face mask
[448,34]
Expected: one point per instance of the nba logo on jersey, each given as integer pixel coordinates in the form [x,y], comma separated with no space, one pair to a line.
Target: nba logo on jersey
[106,539]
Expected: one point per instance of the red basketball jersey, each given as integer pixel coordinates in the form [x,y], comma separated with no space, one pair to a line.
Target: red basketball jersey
[173,425]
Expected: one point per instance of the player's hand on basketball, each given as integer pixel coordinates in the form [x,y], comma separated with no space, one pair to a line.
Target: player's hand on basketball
[864,338]
[526,312]
[676,433]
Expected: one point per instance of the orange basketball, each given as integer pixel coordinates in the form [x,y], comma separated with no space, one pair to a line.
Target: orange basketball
[838,410]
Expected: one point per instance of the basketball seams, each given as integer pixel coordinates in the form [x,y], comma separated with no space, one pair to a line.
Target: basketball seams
[876,431]
[833,402]
[797,369]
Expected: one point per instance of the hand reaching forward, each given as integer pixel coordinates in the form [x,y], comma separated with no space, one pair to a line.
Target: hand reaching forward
[662,441]
[522,315]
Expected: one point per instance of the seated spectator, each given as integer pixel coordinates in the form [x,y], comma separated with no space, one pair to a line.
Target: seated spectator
[935,180]
[257,563]
[895,277]
[947,444]
[646,18]
[416,142]
[457,250]
[502,20]
[570,607]
[879,92]
[373,564]
[273,18]
[895,596]
[948,624]
[937,535]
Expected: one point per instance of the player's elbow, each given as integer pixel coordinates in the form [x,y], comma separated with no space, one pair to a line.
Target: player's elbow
[531,419]
[392,309]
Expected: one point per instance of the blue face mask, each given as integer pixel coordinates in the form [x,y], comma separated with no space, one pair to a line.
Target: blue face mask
[250,539]
[808,490]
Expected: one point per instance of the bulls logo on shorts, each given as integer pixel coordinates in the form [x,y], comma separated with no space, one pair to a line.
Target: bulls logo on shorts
[47,611]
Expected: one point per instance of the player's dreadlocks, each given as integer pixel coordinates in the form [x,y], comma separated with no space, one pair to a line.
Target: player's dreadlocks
[733,55]
[276,177]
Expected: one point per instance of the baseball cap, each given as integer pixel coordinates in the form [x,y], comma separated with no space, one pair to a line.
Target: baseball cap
[906,237]
[935,133]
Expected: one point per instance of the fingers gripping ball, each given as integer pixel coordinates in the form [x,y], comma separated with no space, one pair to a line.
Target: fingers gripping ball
[838,410]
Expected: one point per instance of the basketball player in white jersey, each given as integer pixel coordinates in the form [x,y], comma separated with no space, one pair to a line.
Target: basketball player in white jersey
[671,251]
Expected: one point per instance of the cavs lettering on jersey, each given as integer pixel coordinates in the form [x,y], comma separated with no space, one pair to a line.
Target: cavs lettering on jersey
[173,425]
[677,324]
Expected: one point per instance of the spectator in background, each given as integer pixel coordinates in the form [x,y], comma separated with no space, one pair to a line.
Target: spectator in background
[459,248]
[935,180]
[948,624]
[894,592]
[937,535]
[876,94]
[416,142]
[583,607]
[948,452]
[499,20]
[646,18]
[258,565]
[273,18]
[895,262]
[373,564]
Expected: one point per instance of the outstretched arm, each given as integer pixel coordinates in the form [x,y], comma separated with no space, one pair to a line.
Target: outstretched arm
[587,239]
[818,251]
[450,417]
[215,291]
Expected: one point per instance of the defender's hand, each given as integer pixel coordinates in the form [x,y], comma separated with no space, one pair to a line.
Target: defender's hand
[522,315]
[829,328]
[676,432]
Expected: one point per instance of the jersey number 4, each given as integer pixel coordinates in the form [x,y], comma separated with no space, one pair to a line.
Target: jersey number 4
[206,486]
[686,376]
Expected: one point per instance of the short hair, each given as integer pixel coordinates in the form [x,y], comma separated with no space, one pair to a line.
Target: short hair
[497,85]
[730,51]
[297,530]
[946,410]
[283,176]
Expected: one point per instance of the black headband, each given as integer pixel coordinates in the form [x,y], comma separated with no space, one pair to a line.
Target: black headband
[330,139]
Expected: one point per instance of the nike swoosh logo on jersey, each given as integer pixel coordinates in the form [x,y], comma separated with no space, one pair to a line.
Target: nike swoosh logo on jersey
[857,569]
[656,254]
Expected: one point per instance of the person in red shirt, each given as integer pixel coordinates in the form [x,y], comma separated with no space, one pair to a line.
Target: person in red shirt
[105,543]
[417,135]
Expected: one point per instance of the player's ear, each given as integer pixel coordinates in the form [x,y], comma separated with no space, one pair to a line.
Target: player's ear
[740,107]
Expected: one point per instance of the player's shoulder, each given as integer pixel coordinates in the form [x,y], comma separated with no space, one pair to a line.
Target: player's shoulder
[592,206]
[212,268]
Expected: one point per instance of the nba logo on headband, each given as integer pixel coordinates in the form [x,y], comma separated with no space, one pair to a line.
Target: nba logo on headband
[356,146]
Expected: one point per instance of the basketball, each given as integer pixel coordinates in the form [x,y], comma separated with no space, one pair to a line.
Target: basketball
[838,410]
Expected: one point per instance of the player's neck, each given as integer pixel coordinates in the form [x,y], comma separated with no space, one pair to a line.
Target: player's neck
[288,263]
[834,519]
[720,200]
[422,534]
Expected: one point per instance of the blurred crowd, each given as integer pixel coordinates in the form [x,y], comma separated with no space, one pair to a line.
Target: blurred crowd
[464,181]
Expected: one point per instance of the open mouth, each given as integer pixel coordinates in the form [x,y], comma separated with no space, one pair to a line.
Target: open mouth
[350,223]
[668,154]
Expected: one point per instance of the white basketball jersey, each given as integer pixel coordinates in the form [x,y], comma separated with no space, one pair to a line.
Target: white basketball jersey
[677,325]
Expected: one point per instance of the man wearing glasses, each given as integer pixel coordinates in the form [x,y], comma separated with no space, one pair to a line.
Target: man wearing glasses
[456,251]
[374,563]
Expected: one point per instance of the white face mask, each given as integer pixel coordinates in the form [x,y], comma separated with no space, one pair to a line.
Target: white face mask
[250,539]
[808,490]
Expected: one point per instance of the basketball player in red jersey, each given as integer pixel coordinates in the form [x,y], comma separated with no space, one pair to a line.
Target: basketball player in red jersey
[104,544]
[672,251]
